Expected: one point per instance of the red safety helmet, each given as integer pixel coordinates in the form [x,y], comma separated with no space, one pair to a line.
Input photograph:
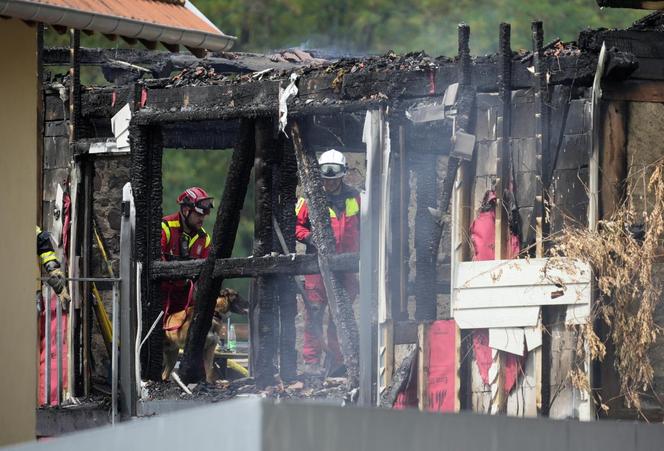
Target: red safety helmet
[196,198]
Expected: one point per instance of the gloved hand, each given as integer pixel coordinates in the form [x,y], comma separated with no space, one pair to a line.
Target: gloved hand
[56,280]
[65,299]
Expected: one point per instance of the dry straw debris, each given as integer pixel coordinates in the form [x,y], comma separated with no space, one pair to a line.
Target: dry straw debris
[622,252]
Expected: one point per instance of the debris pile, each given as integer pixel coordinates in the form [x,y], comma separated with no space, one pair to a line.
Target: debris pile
[307,387]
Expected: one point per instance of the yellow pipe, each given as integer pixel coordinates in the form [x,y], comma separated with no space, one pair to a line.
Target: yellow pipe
[104,255]
[102,318]
[233,365]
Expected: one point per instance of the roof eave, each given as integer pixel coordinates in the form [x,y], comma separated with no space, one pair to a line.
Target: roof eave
[114,25]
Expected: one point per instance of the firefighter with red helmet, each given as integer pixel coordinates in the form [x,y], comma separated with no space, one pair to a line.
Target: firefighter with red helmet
[183,238]
[344,209]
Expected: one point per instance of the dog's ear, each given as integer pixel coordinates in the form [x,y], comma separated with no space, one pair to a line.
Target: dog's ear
[223,305]
[239,305]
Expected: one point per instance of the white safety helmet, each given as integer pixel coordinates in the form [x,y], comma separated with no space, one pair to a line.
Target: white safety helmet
[332,164]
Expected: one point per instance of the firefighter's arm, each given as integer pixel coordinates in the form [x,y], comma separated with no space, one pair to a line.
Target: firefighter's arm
[302,225]
[46,253]
[49,260]
[165,238]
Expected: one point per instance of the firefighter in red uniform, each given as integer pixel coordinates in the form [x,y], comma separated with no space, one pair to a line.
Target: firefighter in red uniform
[344,208]
[182,238]
[49,261]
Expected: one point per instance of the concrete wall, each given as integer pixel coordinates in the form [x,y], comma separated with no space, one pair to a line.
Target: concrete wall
[18,262]
[261,425]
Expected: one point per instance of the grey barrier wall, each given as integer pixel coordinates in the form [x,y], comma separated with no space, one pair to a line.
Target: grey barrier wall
[254,424]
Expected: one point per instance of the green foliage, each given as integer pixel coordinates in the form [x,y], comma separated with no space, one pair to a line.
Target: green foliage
[182,169]
[375,26]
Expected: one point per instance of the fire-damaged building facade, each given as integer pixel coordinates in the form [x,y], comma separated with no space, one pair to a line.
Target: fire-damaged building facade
[475,171]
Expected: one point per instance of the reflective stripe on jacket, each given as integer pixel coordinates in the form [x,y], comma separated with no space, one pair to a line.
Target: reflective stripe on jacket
[345,223]
[198,246]
[175,293]
[45,249]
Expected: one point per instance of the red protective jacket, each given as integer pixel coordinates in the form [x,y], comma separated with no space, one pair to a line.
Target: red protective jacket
[344,217]
[344,211]
[178,245]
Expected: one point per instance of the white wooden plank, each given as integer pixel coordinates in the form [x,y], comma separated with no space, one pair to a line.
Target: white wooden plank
[517,296]
[497,317]
[522,400]
[510,273]
[565,399]
[480,392]
[533,337]
[577,314]
[508,339]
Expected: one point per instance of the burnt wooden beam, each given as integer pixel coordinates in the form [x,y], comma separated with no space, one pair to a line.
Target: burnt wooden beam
[235,268]
[337,297]
[424,166]
[613,158]
[636,4]
[163,63]
[541,135]
[262,310]
[463,123]
[202,135]
[504,130]
[74,86]
[404,374]
[541,356]
[634,91]
[287,186]
[223,240]
[145,174]
[229,108]
[260,97]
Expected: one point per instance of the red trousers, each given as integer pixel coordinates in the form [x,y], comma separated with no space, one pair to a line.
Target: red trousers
[314,311]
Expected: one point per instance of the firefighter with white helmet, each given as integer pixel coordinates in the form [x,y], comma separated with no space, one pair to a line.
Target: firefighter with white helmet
[344,209]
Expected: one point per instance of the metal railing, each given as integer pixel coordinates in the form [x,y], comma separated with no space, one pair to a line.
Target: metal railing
[47,295]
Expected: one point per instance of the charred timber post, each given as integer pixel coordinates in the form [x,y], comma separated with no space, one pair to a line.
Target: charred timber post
[74,135]
[540,138]
[74,86]
[287,288]
[341,306]
[503,157]
[465,103]
[223,240]
[541,228]
[426,238]
[264,299]
[465,108]
[146,158]
[243,267]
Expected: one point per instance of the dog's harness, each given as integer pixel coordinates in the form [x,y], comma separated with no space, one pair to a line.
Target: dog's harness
[167,312]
